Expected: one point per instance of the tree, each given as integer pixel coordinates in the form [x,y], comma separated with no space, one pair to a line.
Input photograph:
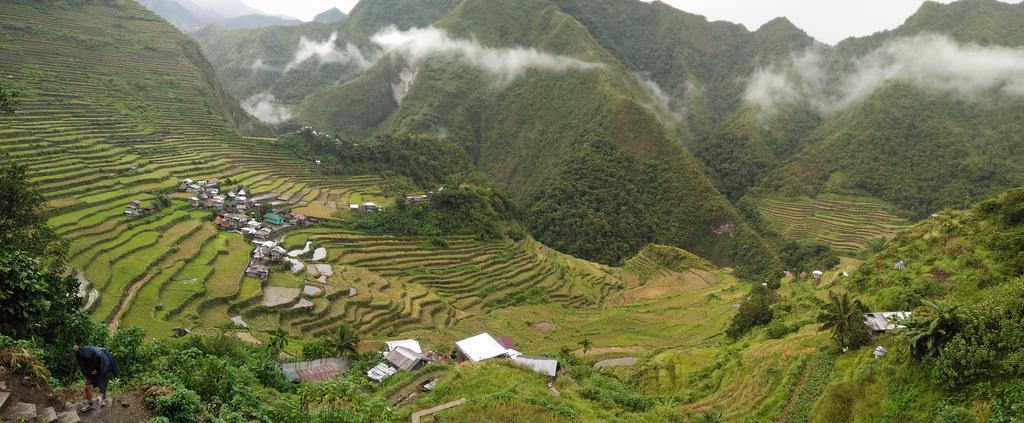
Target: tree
[163,200]
[845,319]
[8,101]
[278,340]
[585,343]
[317,349]
[345,341]
[23,224]
[32,297]
[928,331]
[755,311]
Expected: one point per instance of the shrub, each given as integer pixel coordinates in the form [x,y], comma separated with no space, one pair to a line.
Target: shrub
[181,406]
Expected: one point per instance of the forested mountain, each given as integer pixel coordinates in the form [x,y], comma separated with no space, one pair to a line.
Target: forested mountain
[537,134]
[331,15]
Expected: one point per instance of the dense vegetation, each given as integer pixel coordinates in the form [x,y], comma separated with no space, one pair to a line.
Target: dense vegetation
[455,208]
[427,160]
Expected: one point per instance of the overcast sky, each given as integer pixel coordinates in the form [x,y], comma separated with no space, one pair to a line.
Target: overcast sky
[826,20]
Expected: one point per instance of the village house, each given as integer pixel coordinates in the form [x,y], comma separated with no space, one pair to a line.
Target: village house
[411,344]
[297,219]
[263,234]
[369,207]
[478,348]
[353,207]
[259,271]
[194,201]
[417,198]
[133,209]
[884,321]
[543,365]
[235,221]
[185,183]
[273,219]
[314,371]
[405,359]
[277,254]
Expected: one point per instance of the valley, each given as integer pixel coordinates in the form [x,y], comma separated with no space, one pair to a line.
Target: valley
[684,244]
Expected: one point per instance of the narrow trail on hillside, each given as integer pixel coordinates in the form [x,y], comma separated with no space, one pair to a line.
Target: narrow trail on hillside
[796,392]
[126,301]
[411,390]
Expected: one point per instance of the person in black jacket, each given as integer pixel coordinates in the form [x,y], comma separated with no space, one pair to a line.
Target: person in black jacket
[98,366]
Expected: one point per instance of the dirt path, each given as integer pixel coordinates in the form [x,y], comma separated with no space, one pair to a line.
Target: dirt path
[616,362]
[410,391]
[126,302]
[796,392]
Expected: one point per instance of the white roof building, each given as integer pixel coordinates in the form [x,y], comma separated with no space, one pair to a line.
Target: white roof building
[480,347]
[544,366]
[411,344]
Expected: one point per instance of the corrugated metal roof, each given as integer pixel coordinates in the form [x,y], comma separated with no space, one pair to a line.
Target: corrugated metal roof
[404,358]
[542,365]
[316,370]
[885,320]
[380,372]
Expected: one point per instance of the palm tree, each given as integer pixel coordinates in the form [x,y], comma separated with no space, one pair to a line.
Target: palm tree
[345,341]
[278,340]
[845,319]
[929,330]
[585,343]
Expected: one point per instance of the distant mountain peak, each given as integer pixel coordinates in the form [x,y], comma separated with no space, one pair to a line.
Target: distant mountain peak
[331,15]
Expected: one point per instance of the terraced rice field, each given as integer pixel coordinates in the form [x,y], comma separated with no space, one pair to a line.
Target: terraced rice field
[847,223]
[122,114]
[405,283]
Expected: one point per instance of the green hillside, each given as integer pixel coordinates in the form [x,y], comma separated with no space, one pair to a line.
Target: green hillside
[575,123]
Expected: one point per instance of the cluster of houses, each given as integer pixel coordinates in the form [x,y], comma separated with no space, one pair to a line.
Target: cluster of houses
[208,195]
[407,355]
[136,209]
[369,206]
[264,254]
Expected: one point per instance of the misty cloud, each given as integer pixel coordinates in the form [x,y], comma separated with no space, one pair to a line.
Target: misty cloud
[506,64]
[260,66]
[265,107]
[928,62]
[327,51]
[661,99]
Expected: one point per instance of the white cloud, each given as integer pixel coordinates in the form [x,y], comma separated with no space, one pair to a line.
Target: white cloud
[265,107]
[505,64]
[928,62]
[327,51]
[260,66]
[661,99]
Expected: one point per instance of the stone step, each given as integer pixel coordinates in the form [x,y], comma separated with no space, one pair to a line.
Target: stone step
[3,385]
[3,399]
[19,412]
[48,415]
[70,416]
